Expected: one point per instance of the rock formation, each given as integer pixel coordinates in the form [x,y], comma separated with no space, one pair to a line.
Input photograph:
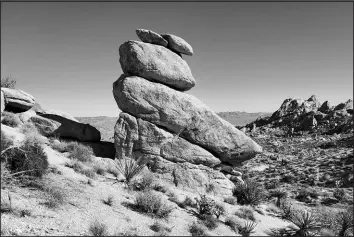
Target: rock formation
[17,100]
[184,141]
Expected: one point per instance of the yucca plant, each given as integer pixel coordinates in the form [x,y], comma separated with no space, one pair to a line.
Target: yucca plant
[279,194]
[247,228]
[344,220]
[129,168]
[249,193]
[305,223]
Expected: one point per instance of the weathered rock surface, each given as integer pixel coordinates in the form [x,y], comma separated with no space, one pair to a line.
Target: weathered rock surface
[72,129]
[345,106]
[25,116]
[178,44]
[155,63]
[182,113]
[190,176]
[46,127]
[145,138]
[325,107]
[17,100]
[149,36]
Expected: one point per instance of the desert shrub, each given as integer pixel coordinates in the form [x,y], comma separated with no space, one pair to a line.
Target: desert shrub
[205,205]
[279,194]
[29,157]
[99,168]
[79,167]
[146,182]
[247,229]
[34,137]
[249,193]
[129,168]
[189,202]
[234,223]
[6,143]
[230,200]
[8,82]
[197,229]
[211,188]
[98,228]
[151,203]
[339,194]
[80,152]
[160,188]
[109,201]
[246,212]
[344,222]
[28,127]
[305,193]
[219,210]
[209,221]
[88,173]
[287,210]
[10,119]
[25,212]
[159,227]
[56,196]
[58,145]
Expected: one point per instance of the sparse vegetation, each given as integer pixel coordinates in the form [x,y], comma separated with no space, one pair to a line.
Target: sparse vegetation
[56,197]
[151,203]
[146,182]
[197,229]
[344,222]
[230,200]
[209,221]
[249,192]
[247,229]
[234,223]
[98,228]
[28,158]
[159,227]
[10,119]
[205,205]
[279,194]
[246,212]
[8,82]
[79,152]
[25,212]
[109,201]
[129,168]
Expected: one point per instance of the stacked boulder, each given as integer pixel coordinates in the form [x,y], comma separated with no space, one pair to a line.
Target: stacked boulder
[184,141]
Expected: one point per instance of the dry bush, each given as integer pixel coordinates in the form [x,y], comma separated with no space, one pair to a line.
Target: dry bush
[28,127]
[230,200]
[79,152]
[246,212]
[109,200]
[8,82]
[56,196]
[159,227]
[98,228]
[10,119]
[146,182]
[6,143]
[152,203]
[210,221]
[29,157]
[99,168]
[198,230]
[79,167]
[234,223]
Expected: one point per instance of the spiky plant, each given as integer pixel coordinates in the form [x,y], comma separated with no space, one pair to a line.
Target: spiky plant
[247,228]
[279,194]
[344,221]
[305,223]
[249,193]
[129,168]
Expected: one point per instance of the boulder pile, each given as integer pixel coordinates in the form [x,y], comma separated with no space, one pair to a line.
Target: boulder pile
[184,141]
[309,115]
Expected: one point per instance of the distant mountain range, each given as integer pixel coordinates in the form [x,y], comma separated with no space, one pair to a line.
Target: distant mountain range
[106,124]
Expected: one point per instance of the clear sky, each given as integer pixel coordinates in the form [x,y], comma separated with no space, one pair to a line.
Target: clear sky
[248,56]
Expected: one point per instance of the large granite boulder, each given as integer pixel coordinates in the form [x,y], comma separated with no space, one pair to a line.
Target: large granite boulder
[183,114]
[190,176]
[72,129]
[155,63]
[144,138]
[17,100]
[178,44]
[148,36]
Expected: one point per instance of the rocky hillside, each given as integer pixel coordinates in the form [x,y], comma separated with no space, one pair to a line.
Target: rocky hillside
[238,118]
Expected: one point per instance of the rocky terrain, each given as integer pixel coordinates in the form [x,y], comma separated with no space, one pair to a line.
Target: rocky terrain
[169,165]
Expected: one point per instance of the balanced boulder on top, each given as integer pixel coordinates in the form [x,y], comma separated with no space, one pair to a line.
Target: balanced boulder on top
[17,100]
[151,37]
[178,44]
[155,63]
